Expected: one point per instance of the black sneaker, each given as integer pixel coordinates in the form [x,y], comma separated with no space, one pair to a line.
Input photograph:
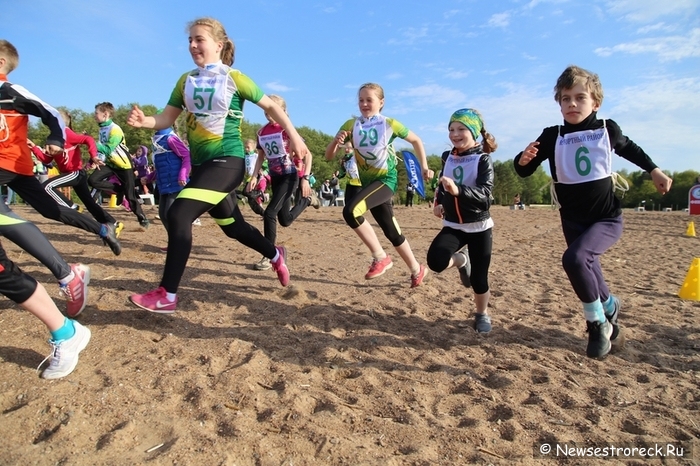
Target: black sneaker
[613,318]
[144,223]
[598,339]
[482,323]
[109,236]
[465,271]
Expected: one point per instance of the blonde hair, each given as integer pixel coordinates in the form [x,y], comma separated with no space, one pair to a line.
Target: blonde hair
[218,33]
[279,101]
[105,107]
[574,75]
[9,53]
[67,119]
[373,87]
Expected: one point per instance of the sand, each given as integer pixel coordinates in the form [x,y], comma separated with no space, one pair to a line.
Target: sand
[337,370]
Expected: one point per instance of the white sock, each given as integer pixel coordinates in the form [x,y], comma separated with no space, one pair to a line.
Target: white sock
[277,256]
[171,296]
[379,255]
[68,279]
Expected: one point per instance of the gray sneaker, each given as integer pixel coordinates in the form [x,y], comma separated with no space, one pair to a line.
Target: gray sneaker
[598,339]
[64,353]
[465,271]
[315,203]
[482,323]
[264,264]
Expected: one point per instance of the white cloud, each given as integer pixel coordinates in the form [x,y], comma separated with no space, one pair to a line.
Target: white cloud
[277,87]
[451,13]
[431,96]
[663,27]
[671,48]
[410,36]
[642,11]
[533,3]
[394,76]
[500,20]
[659,115]
[456,74]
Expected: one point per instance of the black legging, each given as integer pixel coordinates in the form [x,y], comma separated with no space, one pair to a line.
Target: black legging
[98,180]
[280,205]
[33,194]
[27,236]
[376,197]
[78,181]
[449,241]
[211,189]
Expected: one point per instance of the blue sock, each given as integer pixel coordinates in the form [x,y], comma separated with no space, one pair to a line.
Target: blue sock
[65,332]
[103,231]
[593,312]
[608,306]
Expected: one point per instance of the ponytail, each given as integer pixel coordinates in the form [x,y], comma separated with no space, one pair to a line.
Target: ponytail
[489,142]
[228,52]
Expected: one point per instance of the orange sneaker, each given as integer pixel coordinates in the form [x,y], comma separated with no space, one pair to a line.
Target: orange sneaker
[378,267]
[418,278]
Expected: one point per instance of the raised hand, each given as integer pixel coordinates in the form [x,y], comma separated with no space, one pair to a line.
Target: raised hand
[529,153]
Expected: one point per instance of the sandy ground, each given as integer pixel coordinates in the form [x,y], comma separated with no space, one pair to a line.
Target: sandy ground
[336,370]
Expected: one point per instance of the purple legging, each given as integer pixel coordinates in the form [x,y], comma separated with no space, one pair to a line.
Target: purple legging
[587,242]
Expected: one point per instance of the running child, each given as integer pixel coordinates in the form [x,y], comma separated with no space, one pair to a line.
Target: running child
[72,174]
[462,200]
[372,135]
[115,160]
[580,161]
[16,165]
[68,337]
[255,197]
[273,146]
[141,167]
[16,171]
[171,159]
[213,95]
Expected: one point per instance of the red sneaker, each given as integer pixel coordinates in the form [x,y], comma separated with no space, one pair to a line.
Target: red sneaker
[378,267]
[76,292]
[418,278]
[281,266]
[154,301]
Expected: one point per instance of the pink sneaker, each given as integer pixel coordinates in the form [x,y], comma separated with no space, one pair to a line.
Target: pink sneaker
[378,267]
[126,205]
[417,279]
[76,292]
[154,301]
[280,266]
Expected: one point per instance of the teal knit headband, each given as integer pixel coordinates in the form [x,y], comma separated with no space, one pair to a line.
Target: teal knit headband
[469,118]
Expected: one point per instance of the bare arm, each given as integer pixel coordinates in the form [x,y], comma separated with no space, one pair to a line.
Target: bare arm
[296,143]
[138,119]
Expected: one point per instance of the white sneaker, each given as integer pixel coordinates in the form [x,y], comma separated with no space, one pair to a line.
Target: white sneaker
[64,353]
[264,264]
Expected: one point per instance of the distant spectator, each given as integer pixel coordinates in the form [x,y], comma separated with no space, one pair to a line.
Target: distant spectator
[327,192]
[409,194]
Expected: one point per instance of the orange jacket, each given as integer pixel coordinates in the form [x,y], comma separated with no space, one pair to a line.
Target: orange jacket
[16,103]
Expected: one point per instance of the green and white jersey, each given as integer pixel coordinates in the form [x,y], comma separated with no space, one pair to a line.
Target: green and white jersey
[374,152]
[213,97]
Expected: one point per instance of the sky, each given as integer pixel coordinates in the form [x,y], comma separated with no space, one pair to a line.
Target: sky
[431,57]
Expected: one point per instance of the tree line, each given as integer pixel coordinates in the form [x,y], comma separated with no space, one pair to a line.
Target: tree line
[534,189]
